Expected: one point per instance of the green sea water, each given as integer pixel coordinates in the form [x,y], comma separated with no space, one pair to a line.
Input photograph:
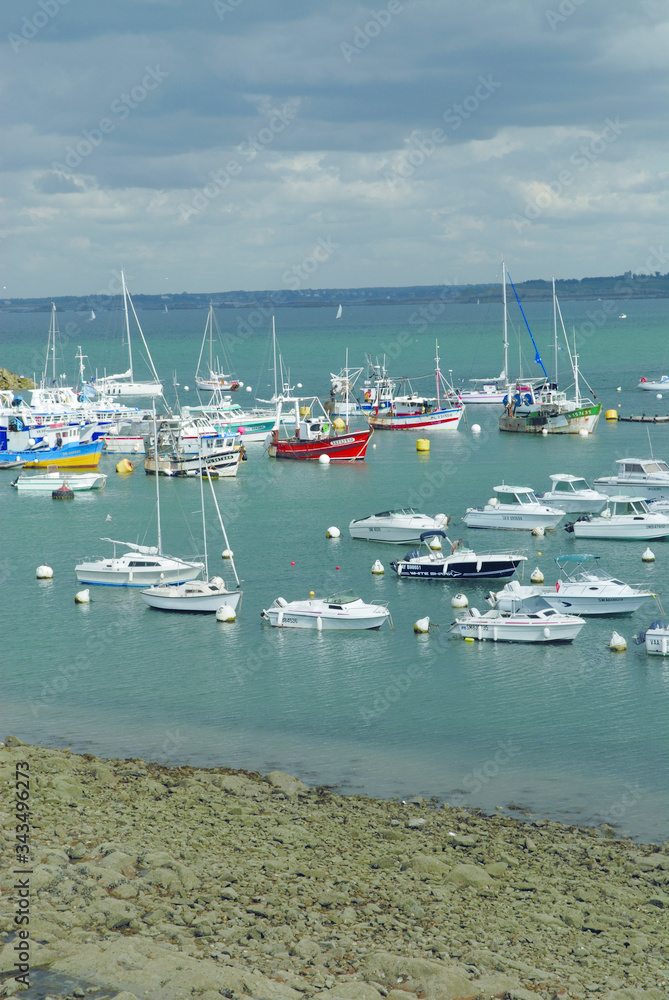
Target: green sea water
[576,732]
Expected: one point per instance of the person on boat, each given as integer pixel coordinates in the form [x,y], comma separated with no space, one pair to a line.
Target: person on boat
[59,441]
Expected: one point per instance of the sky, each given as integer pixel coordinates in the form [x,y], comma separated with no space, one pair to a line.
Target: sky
[215,145]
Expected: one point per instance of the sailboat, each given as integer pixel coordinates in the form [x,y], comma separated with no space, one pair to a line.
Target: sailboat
[124,384]
[215,379]
[52,338]
[541,408]
[412,411]
[141,565]
[91,317]
[339,312]
[199,595]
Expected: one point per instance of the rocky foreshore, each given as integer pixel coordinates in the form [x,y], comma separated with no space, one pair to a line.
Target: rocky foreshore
[8,380]
[179,883]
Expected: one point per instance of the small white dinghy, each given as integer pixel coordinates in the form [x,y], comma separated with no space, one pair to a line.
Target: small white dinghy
[655,638]
[515,507]
[54,478]
[543,625]
[344,610]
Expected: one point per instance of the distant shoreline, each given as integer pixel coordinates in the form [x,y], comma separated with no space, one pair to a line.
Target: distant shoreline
[618,288]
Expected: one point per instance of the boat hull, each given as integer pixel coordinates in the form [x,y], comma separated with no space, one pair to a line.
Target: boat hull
[116,445]
[632,530]
[627,488]
[92,574]
[508,521]
[181,600]
[339,448]
[536,421]
[391,534]
[70,456]
[497,567]
[657,642]
[520,632]
[439,420]
[595,606]
[77,482]
[575,504]
[285,618]
[223,466]
[129,389]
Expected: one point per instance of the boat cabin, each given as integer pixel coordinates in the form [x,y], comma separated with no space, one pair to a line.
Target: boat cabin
[314,428]
[515,494]
[633,467]
[568,484]
[634,506]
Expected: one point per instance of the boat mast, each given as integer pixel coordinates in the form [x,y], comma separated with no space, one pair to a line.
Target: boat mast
[204,523]
[346,385]
[274,349]
[210,320]
[506,338]
[155,451]
[438,375]
[555,343]
[127,330]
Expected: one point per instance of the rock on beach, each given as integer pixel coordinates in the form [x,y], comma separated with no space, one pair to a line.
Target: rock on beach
[172,883]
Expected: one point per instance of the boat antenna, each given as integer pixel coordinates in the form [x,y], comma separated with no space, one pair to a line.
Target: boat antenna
[537,356]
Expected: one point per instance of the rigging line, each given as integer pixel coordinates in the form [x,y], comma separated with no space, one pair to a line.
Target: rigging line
[537,356]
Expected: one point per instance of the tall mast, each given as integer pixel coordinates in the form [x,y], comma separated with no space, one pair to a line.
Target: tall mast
[211,337]
[438,376]
[127,325]
[274,348]
[155,451]
[506,338]
[346,396]
[204,523]
[555,343]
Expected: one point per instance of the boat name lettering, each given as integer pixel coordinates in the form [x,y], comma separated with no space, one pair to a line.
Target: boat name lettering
[512,517]
[293,621]
[346,440]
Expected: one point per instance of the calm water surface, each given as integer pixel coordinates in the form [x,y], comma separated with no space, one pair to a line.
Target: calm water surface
[576,732]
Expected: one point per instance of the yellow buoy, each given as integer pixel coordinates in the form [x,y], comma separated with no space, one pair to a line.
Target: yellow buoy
[611,414]
[338,424]
[124,466]
[536,576]
[422,444]
[305,411]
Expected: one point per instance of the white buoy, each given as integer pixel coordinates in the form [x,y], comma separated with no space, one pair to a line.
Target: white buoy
[536,576]
[476,428]
[227,554]
[249,389]
[618,643]
[225,613]
[538,531]
[83,597]
[648,555]
[378,568]
[435,543]
[185,388]
[459,601]
[108,517]
[324,459]
[333,532]
[659,396]
[422,625]
[44,573]
[374,445]
[583,432]
[544,432]
[619,388]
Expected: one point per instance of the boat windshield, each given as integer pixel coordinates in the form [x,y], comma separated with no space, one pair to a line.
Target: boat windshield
[343,597]
[400,512]
[656,467]
[525,497]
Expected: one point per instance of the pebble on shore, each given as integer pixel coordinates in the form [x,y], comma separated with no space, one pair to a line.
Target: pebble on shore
[174,883]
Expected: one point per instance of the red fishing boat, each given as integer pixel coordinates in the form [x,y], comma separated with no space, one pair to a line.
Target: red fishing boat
[315,435]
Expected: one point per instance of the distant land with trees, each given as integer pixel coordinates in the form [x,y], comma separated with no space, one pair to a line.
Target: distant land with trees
[623,286]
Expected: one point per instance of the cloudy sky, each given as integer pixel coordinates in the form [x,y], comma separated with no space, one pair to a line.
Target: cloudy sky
[211,145]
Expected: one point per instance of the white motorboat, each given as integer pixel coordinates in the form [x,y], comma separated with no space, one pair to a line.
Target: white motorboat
[624,518]
[653,384]
[206,595]
[125,384]
[645,477]
[142,566]
[54,478]
[573,495]
[655,639]
[486,390]
[461,563]
[580,590]
[344,610]
[515,507]
[399,526]
[543,625]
